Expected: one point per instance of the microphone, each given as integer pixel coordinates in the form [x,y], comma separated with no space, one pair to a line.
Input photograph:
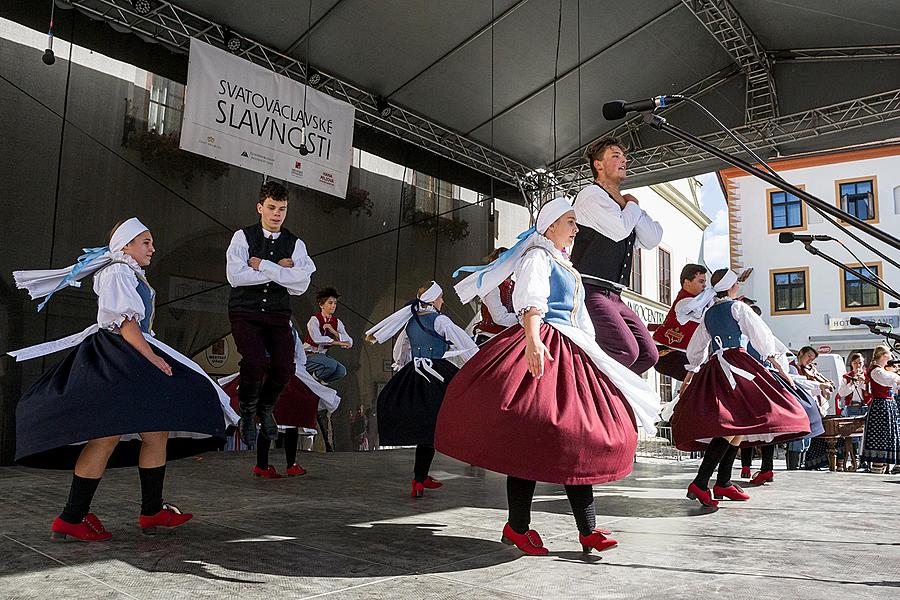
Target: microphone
[617,109]
[893,304]
[48,56]
[867,323]
[786,237]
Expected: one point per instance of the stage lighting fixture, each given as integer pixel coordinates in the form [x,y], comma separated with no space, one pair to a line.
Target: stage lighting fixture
[384,109]
[232,41]
[142,7]
[314,79]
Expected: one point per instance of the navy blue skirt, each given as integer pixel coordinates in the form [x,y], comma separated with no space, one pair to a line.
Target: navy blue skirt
[408,405]
[104,387]
[809,404]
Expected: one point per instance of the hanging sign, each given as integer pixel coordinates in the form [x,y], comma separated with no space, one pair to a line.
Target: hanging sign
[248,116]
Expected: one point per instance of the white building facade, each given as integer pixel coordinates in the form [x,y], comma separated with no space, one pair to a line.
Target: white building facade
[806,300]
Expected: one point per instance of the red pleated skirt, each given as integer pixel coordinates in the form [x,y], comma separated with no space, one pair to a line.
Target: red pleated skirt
[710,408]
[571,426]
[296,407]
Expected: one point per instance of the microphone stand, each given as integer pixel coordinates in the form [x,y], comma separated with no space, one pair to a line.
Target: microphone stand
[660,123]
[873,282]
[887,335]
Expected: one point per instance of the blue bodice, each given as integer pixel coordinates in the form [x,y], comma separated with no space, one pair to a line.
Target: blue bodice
[424,341]
[147,295]
[566,295]
[722,327]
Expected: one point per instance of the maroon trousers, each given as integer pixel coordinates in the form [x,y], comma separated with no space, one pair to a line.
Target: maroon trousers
[266,344]
[620,332]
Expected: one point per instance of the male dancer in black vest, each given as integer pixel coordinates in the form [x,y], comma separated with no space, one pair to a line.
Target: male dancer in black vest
[610,225]
[267,264]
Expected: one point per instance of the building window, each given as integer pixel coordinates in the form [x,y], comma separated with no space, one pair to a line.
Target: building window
[785,211]
[665,277]
[165,106]
[857,294]
[665,388]
[790,291]
[858,197]
[636,269]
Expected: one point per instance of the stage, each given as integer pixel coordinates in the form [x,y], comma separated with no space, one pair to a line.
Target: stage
[350,530]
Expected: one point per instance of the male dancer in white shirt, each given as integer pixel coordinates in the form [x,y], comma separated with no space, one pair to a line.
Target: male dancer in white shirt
[611,225]
[266,265]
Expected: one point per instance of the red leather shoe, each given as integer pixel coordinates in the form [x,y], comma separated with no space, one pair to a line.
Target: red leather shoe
[745,472]
[732,492]
[295,470]
[529,542]
[432,483]
[704,496]
[418,489]
[596,541]
[267,473]
[762,477]
[90,529]
[169,517]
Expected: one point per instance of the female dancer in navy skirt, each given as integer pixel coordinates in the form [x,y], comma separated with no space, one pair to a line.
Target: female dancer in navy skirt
[296,410]
[409,403]
[881,442]
[121,397]
[729,398]
[542,401]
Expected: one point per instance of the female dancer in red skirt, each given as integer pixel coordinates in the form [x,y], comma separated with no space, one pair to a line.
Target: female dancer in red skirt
[543,402]
[729,397]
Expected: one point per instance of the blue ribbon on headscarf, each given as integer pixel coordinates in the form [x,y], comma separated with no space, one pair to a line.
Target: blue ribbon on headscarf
[504,256]
[80,265]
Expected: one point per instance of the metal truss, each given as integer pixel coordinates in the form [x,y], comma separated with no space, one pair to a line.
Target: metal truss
[841,53]
[766,135]
[728,27]
[174,27]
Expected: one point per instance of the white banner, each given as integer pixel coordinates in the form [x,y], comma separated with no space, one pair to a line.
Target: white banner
[248,116]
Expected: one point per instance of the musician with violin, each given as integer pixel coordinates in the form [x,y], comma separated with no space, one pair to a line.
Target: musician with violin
[820,388]
[881,444]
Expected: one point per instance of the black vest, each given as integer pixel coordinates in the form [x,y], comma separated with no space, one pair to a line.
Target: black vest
[267,297]
[596,255]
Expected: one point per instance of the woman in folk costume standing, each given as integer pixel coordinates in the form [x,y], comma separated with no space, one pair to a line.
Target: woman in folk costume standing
[295,413]
[542,401]
[409,403]
[881,442]
[729,397]
[121,397]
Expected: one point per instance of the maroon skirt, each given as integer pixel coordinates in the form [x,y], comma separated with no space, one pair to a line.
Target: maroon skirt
[571,426]
[710,408]
[297,406]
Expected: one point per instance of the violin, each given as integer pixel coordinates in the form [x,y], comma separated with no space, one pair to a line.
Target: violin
[813,374]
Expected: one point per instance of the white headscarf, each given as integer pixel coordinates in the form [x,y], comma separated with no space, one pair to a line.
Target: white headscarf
[45,283]
[390,326]
[726,282]
[485,278]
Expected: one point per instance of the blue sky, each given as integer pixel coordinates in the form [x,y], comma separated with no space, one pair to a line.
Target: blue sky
[715,239]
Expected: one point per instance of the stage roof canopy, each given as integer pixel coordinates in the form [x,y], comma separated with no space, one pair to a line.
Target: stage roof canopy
[484,76]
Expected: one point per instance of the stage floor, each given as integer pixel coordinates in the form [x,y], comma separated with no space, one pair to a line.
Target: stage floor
[350,530]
